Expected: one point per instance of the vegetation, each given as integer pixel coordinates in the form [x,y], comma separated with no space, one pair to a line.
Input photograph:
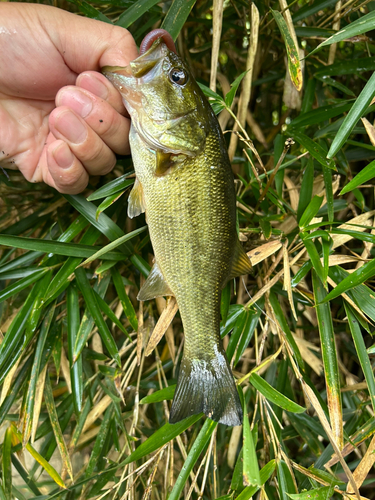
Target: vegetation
[83,410]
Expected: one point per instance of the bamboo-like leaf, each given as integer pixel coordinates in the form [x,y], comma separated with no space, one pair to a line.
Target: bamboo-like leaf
[273,395]
[176,16]
[125,301]
[163,395]
[56,247]
[357,110]
[251,476]
[197,448]
[354,279]
[42,461]
[100,440]
[233,89]
[316,494]
[294,64]
[15,288]
[357,27]
[113,244]
[330,362]
[361,351]
[93,307]
[319,115]
[285,328]
[265,473]
[107,202]
[127,18]
[161,436]
[284,479]
[50,404]
[110,314]
[313,148]
[123,182]
[7,464]
[73,321]
[362,177]
[30,398]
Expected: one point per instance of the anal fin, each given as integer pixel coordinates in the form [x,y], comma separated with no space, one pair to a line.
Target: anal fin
[154,286]
[241,263]
[136,200]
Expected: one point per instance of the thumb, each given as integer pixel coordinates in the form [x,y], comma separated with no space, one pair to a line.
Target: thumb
[87,44]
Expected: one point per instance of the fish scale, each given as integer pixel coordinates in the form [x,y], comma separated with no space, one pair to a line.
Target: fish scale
[185,185]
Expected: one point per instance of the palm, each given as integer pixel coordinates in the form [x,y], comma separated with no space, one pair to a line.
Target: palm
[44,50]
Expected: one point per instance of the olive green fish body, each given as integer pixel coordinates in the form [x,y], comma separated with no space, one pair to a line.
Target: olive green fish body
[189,200]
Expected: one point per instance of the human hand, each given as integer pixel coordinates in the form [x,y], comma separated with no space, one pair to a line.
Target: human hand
[60,120]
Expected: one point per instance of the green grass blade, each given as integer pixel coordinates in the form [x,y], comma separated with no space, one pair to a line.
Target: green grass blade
[20,285]
[285,480]
[362,352]
[7,463]
[294,65]
[73,321]
[30,398]
[354,279]
[273,395]
[176,16]
[163,395]
[310,211]
[316,494]
[104,224]
[313,148]
[160,437]
[99,441]
[357,27]
[110,314]
[315,258]
[61,279]
[330,362]
[125,301]
[50,404]
[119,184]
[56,247]
[134,12]
[199,444]
[357,110]
[107,202]
[93,307]
[251,476]
[42,461]
[319,115]
[114,244]
[265,473]
[363,176]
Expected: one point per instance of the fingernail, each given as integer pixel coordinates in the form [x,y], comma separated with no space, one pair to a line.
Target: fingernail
[71,127]
[77,101]
[63,156]
[94,85]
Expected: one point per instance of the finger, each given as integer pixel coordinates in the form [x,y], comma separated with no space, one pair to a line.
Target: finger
[100,86]
[84,143]
[64,171]
[101,117]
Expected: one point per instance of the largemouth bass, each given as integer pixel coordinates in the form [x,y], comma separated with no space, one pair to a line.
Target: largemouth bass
[184,183]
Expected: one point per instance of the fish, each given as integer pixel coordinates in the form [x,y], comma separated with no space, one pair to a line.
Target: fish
[185,185]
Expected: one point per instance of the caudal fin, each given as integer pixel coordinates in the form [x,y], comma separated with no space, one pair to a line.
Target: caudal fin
[206,386]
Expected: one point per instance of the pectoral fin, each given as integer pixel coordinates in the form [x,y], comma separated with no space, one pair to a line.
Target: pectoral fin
[241,263]
[163,163]
[154,286]
[136,201]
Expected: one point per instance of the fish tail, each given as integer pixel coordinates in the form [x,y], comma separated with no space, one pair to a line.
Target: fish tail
[206,385]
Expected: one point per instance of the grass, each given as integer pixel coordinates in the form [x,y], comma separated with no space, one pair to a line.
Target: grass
[83,411]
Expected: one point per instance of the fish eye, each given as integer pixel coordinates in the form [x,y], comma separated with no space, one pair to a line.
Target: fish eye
[178,75]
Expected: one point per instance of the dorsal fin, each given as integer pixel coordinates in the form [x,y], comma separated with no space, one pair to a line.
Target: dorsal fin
[241,263]
[154,286]
[136,200]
